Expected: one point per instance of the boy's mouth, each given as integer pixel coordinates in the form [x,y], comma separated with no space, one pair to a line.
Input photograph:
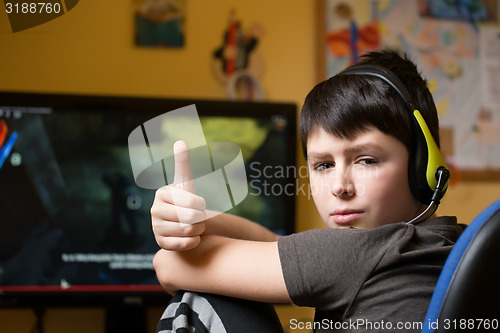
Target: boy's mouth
[345,216]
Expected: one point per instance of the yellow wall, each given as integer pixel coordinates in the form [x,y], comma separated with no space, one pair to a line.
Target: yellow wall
[90,50]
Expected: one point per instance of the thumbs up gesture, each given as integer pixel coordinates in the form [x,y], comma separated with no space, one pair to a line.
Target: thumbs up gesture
[178,213]
[183,177]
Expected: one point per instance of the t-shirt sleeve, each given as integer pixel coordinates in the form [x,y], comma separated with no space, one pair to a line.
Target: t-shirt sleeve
[324,268]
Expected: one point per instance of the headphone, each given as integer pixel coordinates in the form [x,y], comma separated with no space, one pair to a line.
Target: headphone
[428,173]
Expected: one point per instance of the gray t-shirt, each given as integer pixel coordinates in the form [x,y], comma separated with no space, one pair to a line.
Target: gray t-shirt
[367,280]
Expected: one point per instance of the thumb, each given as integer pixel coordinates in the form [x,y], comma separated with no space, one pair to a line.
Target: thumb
[183,177]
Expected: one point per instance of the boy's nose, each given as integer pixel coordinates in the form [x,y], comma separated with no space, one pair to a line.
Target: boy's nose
[342,184]
[346,189]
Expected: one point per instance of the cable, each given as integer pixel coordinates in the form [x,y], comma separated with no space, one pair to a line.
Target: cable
[424,215]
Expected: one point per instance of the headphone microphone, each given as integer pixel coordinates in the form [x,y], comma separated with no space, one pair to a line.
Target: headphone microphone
[428,173]
[442,176]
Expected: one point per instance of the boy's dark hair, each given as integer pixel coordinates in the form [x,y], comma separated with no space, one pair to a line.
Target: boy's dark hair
[346,105]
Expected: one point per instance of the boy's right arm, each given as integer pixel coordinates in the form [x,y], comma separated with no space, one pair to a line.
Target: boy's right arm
[224,265]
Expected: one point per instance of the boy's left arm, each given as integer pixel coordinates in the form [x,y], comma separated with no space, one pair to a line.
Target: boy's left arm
[225,266]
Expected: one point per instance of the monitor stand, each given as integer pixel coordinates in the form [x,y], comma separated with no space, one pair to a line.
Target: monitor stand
[121,319]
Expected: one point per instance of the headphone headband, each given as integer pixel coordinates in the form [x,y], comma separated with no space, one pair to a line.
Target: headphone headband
[384,74]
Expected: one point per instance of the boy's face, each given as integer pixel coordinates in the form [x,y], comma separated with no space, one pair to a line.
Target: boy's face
[361,182]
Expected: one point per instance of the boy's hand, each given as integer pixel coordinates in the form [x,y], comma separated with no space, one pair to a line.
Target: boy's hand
[177,212]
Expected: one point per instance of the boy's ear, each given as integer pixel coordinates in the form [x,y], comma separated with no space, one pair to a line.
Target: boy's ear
[427,160]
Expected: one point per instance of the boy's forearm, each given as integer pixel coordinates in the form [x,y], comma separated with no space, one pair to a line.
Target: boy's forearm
[233,226]
[225,266]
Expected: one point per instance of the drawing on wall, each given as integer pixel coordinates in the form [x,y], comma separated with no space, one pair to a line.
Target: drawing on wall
[455,45]
[236,62]
[349,38]
[465,10]
[159,23]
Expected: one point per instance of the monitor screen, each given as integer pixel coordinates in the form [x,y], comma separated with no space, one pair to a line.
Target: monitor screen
[74,225]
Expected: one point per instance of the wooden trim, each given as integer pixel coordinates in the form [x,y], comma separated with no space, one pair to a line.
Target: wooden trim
[320,40]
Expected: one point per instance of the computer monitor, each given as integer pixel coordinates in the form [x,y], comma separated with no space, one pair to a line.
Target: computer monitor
[75,229]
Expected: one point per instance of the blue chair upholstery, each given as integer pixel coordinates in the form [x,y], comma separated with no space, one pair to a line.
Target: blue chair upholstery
[467,294]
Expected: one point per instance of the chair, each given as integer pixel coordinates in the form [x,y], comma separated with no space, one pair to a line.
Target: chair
[467,294]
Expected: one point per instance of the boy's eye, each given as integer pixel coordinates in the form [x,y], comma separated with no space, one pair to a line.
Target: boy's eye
[323,166]
[367,161]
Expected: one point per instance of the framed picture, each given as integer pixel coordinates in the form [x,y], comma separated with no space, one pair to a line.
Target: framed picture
[159,23]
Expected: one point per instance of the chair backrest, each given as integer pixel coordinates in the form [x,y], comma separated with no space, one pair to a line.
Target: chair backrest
[467,294]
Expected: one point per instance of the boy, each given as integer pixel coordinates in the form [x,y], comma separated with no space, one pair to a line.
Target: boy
[370,269]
